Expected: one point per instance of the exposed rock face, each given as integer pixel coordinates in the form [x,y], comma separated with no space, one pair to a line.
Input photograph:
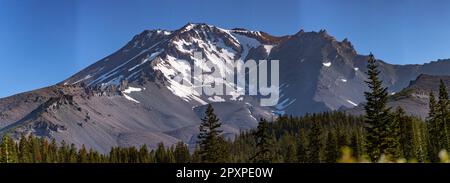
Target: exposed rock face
[414,98]
[130,97]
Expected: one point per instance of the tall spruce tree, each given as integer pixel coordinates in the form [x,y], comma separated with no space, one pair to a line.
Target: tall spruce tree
[331,148]
[264,146]
[181,153]
[210,141]
[433,130]
[160,153]
[315,143]
[83,155]
[24,150]
[5,152]
[302,150]
[288,148]
[402,125]
[143,156]
[377,113]
[355,146]
[443,117]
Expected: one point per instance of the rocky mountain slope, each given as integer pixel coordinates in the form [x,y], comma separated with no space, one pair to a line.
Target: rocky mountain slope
[414,98]
[131,97]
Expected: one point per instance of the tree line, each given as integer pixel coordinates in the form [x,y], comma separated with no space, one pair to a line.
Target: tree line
[382,134]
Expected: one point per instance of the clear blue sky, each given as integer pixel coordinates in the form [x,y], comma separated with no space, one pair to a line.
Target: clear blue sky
[43,42]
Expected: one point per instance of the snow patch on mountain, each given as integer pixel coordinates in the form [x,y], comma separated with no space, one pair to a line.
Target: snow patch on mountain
[131,99]
[149,58]
[216,99]
[327,64]
[268,48]
[246,43]
[85,78]
[351,102]
[132,89]
[172,68]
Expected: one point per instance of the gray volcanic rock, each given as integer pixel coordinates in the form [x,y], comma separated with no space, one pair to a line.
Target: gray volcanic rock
[131,97]
[414,99]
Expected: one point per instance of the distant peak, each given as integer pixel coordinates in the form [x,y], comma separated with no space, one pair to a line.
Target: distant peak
[300,32]
[190,26]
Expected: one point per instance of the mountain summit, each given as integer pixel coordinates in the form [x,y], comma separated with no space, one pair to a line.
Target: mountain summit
[131,97]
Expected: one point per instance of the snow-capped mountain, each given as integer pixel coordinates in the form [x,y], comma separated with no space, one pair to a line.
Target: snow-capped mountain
[132,96]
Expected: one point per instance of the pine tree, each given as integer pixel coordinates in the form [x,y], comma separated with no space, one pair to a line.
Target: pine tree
[83,155]
[302,151]
[181,153]
[53,151]
[63,152]
[400,137]
[355,146]
[43,142]
[264,151]
[195,158]
[144,154]
[288,148]
[5,150]
[170,158]
[210,140]
[13,151]
[160,154]
[315,143]
[72,154]
[433,130]
[443,117]
[377,113]
[331,148]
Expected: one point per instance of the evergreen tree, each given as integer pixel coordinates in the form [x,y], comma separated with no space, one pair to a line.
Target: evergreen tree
[315,143]
[264,151]
[195,158]
[24,150]
[83,155]
[160,154]
[35,149]
[181,153]
[144,154]
[331,148]
[443,116]
[377,113]
[302,151]
[210,141]
[288,148]
[5,150]
[170,158]
[401,133]
[53,152]
[355,146]
[72,154]
[63,152]
[433,130]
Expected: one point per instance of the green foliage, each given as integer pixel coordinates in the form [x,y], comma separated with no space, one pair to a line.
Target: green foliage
[331,148]
[321,137]
[443,117]
[379,139]
[181,153]
[315,143]
[212,144]
[302,150]
[433,130]
[264,146]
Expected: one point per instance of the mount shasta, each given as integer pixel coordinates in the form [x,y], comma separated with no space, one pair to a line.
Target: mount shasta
[131,98]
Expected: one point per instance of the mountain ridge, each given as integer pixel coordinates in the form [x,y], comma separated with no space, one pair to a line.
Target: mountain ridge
[130,96]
